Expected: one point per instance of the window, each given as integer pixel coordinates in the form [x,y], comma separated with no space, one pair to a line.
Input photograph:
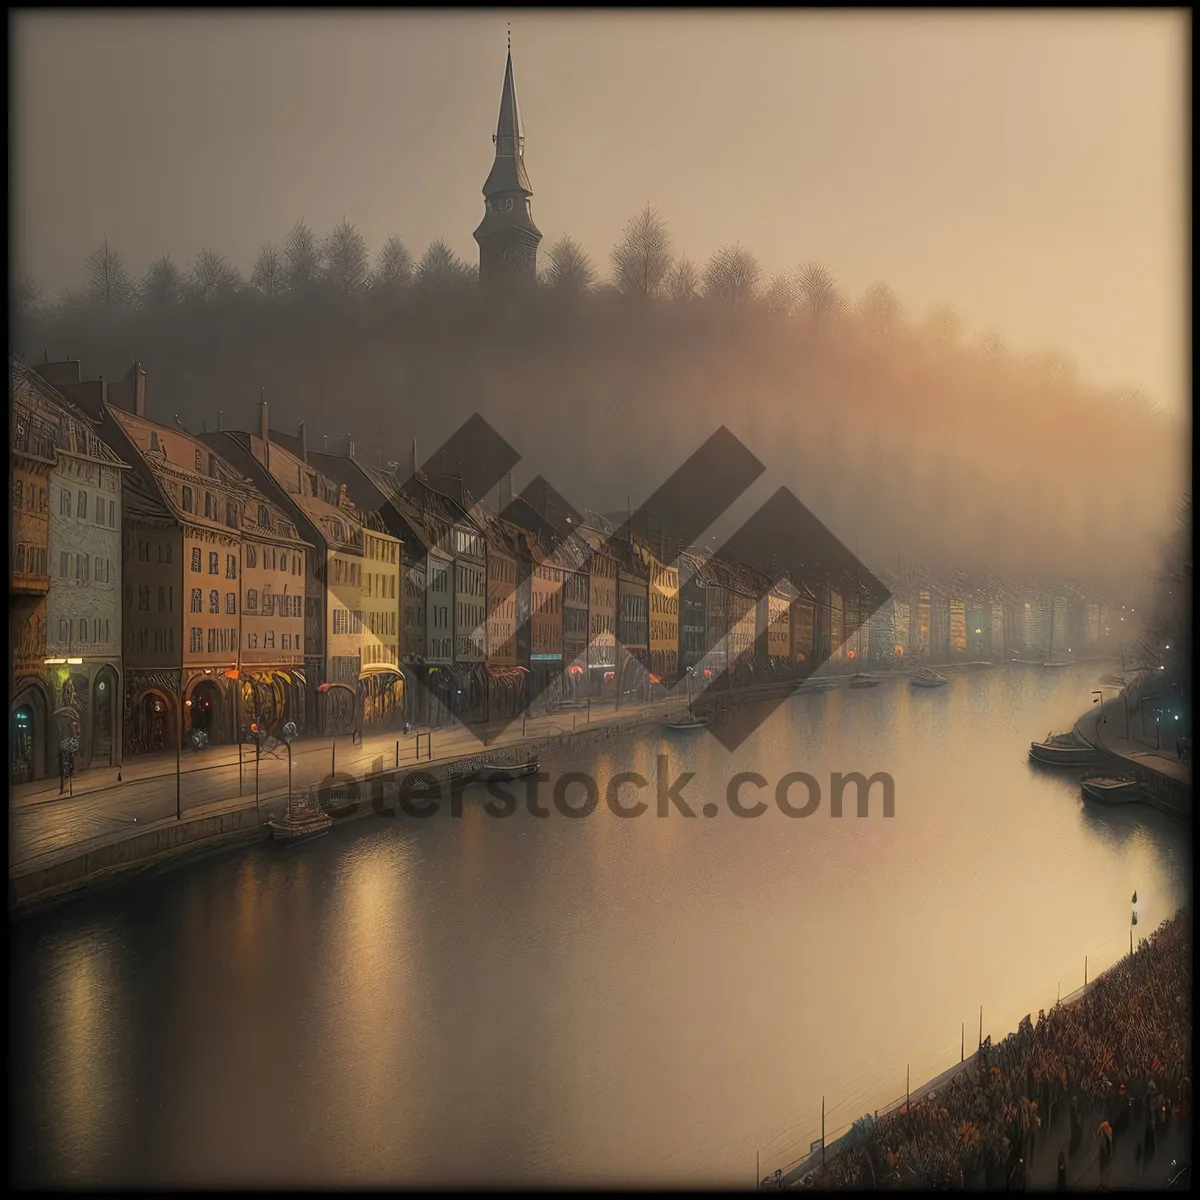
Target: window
[197,643]
[64,631]
[212,465]
[269,640]
[207,505]
[64,564]
[99,510]
[283,561]
[187,499]
[18,487]
[199,461]
[112,522]
[197,600]
[212,641]
[64,503]
[196,559]
[214,601]
[83,630]
[230,567]
[81,506]
[252,641]
[251,600]
[214,562]
[264,519]
[144,597]
[230,604]
[162,597]
[230,514]
[285,641]
[266,601]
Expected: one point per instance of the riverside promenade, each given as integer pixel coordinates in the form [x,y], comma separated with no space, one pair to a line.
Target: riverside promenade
[102,828]
[1104,1079]
[1113,728]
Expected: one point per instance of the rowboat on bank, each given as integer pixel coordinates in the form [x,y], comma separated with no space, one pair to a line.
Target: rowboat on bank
[1063,750]
[1106,789]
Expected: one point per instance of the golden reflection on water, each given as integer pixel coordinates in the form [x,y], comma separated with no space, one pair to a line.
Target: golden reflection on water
[610,1000]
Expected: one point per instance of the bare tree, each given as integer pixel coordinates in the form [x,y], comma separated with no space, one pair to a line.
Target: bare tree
[779,296]
[163,284]
[109,284]
[345,258]
[441,268]
[944,326]
[817,294]
[568,268]
[992,346]
[394,271]
[28,299]
[880,312]
[1052,366]
[301,258]
[683,281]
[641,259]
[269,277]
[731,276]
[212,277]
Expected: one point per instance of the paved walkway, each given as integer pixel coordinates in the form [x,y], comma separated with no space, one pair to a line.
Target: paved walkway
[1114,728]
[46,826]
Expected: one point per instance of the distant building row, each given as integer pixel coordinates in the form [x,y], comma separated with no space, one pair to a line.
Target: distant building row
[164,584]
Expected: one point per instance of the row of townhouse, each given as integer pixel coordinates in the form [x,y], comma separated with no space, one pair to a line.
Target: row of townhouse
[166,585]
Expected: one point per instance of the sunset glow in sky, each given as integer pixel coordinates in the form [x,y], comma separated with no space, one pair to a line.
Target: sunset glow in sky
[1029,168]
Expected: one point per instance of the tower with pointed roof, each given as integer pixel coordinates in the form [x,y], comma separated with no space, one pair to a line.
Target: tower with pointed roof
[508,239]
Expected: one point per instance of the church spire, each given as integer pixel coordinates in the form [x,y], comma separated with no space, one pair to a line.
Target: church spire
[509,137]
[507,237]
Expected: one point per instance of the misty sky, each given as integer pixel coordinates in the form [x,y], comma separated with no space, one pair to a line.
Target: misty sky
[1029,168]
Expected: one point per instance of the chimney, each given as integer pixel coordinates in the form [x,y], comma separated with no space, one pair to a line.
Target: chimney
[139,389]
[303,446]
[414,470]
[265,427]
[58,374]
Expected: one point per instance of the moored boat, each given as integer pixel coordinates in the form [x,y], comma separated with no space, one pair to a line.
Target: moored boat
[1064,750]
[501,772]
[686,723]
[817,685]
[293,826]
[927,677]
[1108,789]
[864,681]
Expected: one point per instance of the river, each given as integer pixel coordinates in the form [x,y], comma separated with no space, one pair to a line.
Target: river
[586,1001]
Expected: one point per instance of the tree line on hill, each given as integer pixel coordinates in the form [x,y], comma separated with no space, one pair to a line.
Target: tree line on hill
[906,436]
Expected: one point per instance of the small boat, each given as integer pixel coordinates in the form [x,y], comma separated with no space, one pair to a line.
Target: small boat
[295,825]
[500,773]
[817,685]
[865,681]
[927,677]
[1063,750]
[1107,789]
[685,723]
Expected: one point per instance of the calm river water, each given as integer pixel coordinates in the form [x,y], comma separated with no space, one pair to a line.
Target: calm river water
[597,1000]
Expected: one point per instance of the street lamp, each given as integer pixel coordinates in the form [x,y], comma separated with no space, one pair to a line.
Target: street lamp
[289,732]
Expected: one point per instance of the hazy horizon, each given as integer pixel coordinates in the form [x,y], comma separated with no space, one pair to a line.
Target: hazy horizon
[1027,168]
